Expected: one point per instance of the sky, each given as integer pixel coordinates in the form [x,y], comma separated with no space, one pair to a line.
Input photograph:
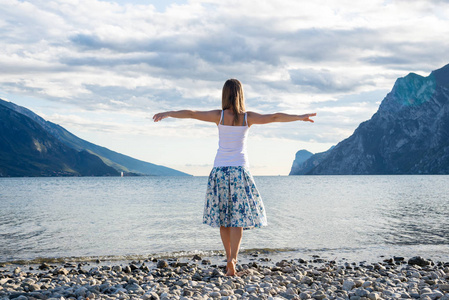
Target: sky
[102,69]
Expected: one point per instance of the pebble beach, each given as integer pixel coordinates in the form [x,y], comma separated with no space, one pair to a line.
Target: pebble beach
[202,278]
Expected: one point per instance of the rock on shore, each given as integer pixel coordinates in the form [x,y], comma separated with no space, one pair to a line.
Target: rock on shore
[393,278]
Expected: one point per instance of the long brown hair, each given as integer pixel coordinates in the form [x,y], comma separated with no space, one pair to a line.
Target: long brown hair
[232,98]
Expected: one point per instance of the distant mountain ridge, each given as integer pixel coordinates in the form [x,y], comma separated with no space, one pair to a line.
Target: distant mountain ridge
[117,161]
[409,134]
[26,149]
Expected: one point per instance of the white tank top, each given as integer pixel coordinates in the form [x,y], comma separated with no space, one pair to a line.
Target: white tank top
[232,145]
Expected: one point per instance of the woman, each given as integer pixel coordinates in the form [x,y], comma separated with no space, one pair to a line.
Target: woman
[232,202]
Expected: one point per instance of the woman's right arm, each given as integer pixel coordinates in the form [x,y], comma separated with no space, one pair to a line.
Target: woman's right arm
[256,118]
[207,116]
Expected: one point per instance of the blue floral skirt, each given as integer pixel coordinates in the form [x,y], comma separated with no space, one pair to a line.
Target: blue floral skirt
[232,199]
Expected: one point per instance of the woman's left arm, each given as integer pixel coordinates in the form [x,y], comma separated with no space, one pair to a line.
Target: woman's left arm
[207,116]
[256,118]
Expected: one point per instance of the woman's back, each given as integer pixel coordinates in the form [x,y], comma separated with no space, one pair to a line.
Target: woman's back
[232,143]
[227,118]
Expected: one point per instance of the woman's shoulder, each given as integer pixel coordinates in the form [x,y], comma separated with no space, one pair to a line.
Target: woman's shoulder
[252,113]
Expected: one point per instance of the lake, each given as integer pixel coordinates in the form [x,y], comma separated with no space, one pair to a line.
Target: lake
[352,217]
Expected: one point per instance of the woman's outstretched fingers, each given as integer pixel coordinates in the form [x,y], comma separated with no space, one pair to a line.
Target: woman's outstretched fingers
[307,117]
[158,117]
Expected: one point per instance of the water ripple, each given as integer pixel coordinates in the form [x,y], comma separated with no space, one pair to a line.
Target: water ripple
[60,217]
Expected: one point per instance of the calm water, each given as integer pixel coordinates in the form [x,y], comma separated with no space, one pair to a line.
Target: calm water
[360,217]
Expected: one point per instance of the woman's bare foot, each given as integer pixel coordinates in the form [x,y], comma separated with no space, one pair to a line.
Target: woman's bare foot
[230,267]
[228,259]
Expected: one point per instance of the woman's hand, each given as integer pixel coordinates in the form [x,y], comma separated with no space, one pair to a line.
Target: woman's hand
[160,116]
[306,117]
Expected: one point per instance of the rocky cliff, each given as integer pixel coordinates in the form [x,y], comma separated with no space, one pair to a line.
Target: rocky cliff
[306,161]
[409,134]
[300,157]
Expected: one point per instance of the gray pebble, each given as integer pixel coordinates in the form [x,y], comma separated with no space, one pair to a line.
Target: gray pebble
[162,264]
[419,261]
[367,284]
[319,295]
[117,269]
[433,295]
[348,285]
[361,292]
[134,288]
[127,269]
[180,280]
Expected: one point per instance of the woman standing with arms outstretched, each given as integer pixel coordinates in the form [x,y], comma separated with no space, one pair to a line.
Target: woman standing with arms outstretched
[232,202]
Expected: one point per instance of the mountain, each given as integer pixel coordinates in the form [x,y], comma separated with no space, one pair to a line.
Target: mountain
[306,161]
[119,162]
[409,134]
[26,149]
[300,157]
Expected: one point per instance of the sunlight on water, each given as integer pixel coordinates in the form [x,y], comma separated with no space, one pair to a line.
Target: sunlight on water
[63,217]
